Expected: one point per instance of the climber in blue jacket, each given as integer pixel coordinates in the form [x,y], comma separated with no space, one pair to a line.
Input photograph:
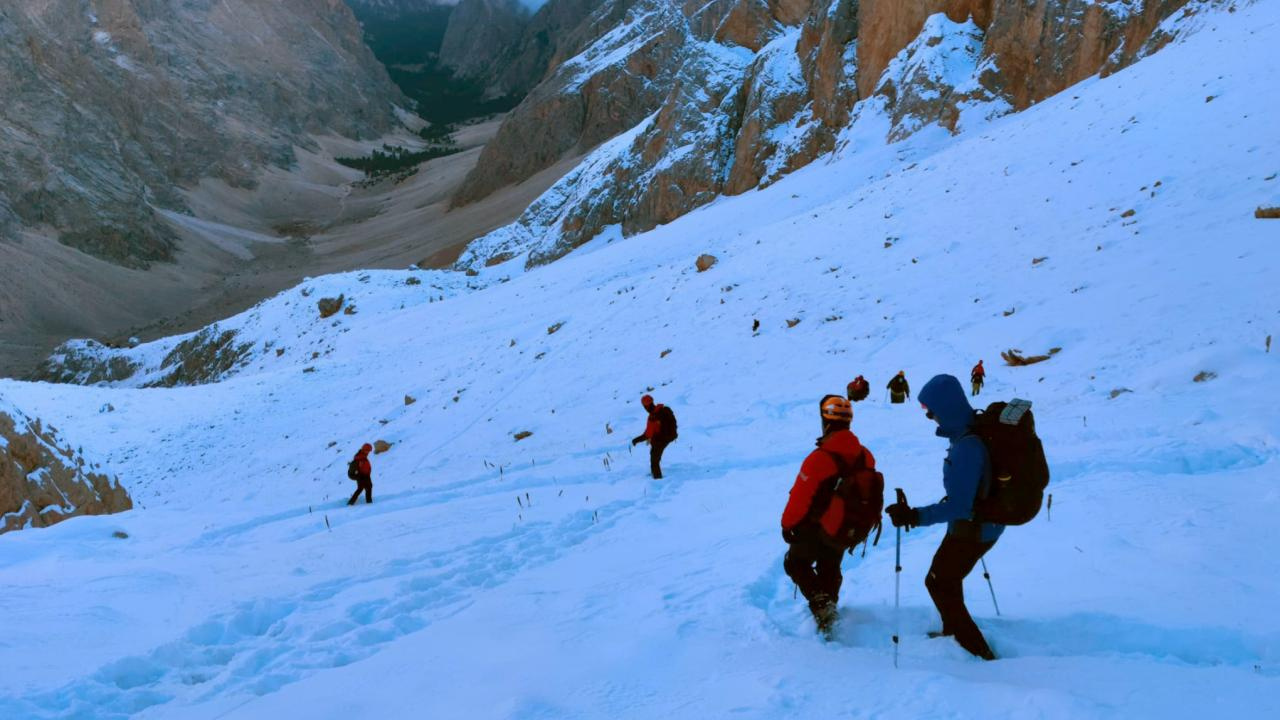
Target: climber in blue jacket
[966,476]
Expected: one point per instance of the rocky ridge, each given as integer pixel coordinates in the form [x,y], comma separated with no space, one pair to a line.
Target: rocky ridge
[733,94]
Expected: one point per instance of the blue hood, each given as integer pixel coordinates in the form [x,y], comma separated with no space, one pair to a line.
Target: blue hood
[945,398]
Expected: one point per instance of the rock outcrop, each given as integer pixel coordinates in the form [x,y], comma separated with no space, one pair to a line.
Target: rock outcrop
[111,106]
[201,357]
[763,87]
[44,481]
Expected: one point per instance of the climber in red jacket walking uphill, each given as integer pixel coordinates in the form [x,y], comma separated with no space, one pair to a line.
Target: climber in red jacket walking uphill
[834,504]
[659,431]
[361,471]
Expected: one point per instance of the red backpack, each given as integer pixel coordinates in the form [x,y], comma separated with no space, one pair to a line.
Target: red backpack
[854,499]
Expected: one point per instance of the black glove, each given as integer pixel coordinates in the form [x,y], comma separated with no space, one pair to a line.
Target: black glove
[637,440]
[903,515]
[789,535]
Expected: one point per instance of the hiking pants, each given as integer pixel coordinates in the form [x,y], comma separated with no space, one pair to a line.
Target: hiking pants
[656,448]
[814,568]
[897,398]
[365,485]
[954,560]
[977,386]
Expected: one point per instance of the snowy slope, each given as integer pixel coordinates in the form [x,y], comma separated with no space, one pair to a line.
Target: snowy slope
[550,578]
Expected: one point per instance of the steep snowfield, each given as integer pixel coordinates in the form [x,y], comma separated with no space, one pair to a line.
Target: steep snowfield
[550,578]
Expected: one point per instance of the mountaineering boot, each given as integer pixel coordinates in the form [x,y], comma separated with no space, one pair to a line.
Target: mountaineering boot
[824,613]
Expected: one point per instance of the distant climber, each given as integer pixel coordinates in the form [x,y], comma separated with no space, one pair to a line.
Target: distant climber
[899,390]
[966,477]
[834,504]
[858,389]
[361,471]
[659,431]
[978,377]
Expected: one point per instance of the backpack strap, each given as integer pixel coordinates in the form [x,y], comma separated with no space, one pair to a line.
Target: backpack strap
[843,470]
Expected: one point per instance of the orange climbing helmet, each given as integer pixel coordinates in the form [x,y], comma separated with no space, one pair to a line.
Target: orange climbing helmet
[836,409]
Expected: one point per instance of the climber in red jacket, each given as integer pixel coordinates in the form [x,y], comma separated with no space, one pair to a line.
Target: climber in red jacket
[361,471]
[659,431]
[812,519]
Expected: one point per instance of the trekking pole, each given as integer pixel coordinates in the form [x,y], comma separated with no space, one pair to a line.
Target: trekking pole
[897,584]
[987,575]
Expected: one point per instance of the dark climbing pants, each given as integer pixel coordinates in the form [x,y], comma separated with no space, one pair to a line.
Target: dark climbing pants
[954,560]
[977,386]
[656,448]
[814,568]
[897,398]
[364,485]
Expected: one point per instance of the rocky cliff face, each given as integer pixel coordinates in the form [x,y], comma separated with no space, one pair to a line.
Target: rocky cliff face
[110,106]
[760,88]
[44,481]
[481,35]
[607,64]
[508,47]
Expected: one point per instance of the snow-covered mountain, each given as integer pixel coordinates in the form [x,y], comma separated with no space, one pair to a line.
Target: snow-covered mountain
[704,99]
[548,577]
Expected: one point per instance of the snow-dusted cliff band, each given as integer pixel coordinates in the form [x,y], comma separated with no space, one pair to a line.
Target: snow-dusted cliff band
[723,97]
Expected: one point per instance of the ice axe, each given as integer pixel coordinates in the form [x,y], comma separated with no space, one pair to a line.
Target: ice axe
[897,582]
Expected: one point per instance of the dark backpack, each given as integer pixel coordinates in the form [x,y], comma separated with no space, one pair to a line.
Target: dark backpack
[851,501]
[668,419]
[353,469]
[1019,471]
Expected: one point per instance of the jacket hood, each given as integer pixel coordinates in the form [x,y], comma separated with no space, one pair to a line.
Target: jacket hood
[944,397]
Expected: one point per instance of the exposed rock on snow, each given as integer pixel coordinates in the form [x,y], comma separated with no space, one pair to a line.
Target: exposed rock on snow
[43,482]
[330,306]
[85,362]
[203,357]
